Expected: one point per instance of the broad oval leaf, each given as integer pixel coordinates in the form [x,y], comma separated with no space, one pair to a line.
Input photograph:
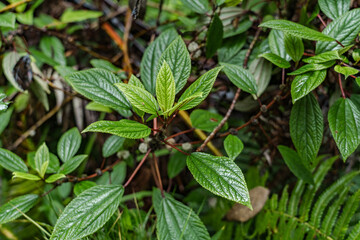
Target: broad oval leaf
[199,6]
[220,176]
[296,30]
[112,145]
[277,44]
[346,71]
[88,212]
[12,162]
[305,83]
[345,29]
[8,64]
[98,86]
[214,36]
[7,20]
[73,163]
[42,159]
[11,210]
[177,221]
[240,77]
[233,146]
[344,123]
[334,8]
[306,127]
[276,60]
[165,87]
[294,47]
[69,144]
[55,177]
[312,67]
[123,128]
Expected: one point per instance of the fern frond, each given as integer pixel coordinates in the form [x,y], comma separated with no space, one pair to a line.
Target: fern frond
[355,233]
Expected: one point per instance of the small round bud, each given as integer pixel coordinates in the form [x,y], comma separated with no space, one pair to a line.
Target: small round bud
[197,54]
[147,140]
[124,154]
[263,108]
[187,146]
[98,172]
[193,46]
[143,147]
[32,133]
[277,98]
[212,202]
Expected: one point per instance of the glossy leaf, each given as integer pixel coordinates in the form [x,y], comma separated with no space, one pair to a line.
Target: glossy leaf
[42,159]
[206,120]
[11,210]
[296,30]
[312,67]
[277,44]
[276,60]
[240,77]
[324,57]
[346,71]
[233,146]
[98,85]
[184,103]
[199,6]
[73,163]
[26,176]
[55,177]
[165,87]
[306,128]
[214,36]
[12,162]
[305,83]
[334,8]
[123,128]
[344,123]
[294,47]
[88,212]
[112,145]
[83,186]
[69,144]
[220,176]
[134,81]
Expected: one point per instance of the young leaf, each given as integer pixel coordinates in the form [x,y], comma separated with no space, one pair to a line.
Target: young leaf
[12,162]
[69,144]
[202,85]
[73,163]
[10,210]
[334,8]
[205,120]
[42,159]
[26,176]
[112,145]
[199,6]
[312,67]
[296,166]
[214,36]
[294,47]
[346,71]
[240,77]
[71,15]
[178,58]
[123,128]
[165,87]
[296,30]
[345,29]
[306,128]
[305,83]
[88,212]
[134,81]
[220,176]
[276,60]
[183,103]
[344,123]
[178,221]
[98,86]
[7,20]
[233,146]
[140,98]
[55,177]
[324,57]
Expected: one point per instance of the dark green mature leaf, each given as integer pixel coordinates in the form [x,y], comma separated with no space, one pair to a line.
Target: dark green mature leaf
[233,146]
[69,144]
[150,60]
[112,145]
[178,221]
[123,128]
[5,117]
[305,83]
[214,36]
[74,162]
[165,87]
[296,30]
[344,123]
[306,128]
[202,85]
[116,176]
[83,186]
[295,164]
[205,120]
[178,58]
[12,162]
[324,57]
[11,210]
[53,48]
[240,77]
[199,6]
[334,8]
[312,67]
[220,176]
[42,159]
[277,44]
[345,28]
[275,59]
[294,47]
[98,85]
[176,164]
[88,212]
[7,20]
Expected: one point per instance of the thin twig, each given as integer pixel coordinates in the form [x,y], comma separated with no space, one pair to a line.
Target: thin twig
[173,146]
[137,168]
[341,87]
[180,133]
[158,174]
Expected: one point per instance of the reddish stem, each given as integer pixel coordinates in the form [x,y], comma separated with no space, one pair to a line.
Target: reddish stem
[173,146]
[137,168]
[341,87]
[180,133]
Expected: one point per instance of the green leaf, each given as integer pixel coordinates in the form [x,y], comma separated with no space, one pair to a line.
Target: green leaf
[139,98]
[202,85]
[199,6]
[334,8]
[220,176]
[11,210]
[345,29]
[276,60]
[214,36]
[165,88]
[152,55]
[277,44]
[12,162]
[98,86]
[183,103]
[5,117]
[55,177]
[71,15]
[117,175]
[176,164]
[123,128]
[101,63]
[206,120]
[347,71]
[94,106]
[8,63]
[296,30]
[26,176]
[306,128]
[88,212]
[112,145]
[240,77]
[305,83]
[295,164]
[294,47]
[69,144]
[7,20]
[312,67]
[233,146]
[178,221]
[134,81]
[53,48]
[42,159]
[324,57]
[83,186]
[344,124]
[73,163]
[178,58]
[3,105]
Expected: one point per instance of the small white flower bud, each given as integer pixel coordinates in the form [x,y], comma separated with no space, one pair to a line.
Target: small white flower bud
[124,154]
[172,142]
[187,146]
[32,133]
[147,140]
[197,54]
[143,147]
[193,46]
